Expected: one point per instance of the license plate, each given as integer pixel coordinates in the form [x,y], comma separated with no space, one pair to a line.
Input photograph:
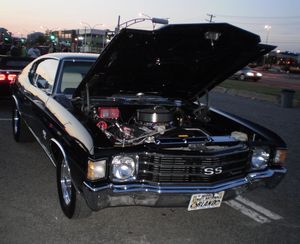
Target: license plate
[205,200]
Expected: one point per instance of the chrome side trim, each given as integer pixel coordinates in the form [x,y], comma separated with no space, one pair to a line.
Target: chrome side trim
[250,178]
[44,148]
[16,102]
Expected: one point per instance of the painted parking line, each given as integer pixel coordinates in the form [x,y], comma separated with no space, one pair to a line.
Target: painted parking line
[253,210]
[259,208]
[248,212]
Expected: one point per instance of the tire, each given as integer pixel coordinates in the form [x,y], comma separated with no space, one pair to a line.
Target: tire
[20,131]
[72,203]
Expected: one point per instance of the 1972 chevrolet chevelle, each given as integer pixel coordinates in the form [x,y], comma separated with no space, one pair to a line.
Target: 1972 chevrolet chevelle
[128,127]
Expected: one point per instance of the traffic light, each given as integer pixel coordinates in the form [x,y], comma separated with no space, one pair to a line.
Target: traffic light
[52,37]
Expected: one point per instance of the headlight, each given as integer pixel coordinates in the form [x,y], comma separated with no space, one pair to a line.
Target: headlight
[259,74]
[96,169]
[250,74]
[123,168]
[260,158]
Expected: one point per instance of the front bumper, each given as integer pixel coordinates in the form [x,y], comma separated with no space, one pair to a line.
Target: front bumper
[172,195]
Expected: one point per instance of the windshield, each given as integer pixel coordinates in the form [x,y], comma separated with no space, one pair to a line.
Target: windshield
[72,74]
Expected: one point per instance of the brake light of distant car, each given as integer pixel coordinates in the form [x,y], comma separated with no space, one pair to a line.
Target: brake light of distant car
[2,77]
[108,112]
[11,78]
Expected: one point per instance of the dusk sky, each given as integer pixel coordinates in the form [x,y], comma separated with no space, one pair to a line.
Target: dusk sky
[23,17]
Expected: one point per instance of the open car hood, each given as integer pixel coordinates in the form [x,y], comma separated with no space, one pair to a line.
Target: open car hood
[177,61]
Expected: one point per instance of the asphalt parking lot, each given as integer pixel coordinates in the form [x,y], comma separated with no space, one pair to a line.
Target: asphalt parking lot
[30,211]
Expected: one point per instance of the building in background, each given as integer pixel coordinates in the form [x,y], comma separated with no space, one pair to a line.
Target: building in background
[79,40]
[92,40]
[35,37]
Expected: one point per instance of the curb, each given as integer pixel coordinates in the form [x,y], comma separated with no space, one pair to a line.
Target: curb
[252,95]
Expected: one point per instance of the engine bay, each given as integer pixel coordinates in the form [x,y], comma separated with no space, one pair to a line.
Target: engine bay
[172,124]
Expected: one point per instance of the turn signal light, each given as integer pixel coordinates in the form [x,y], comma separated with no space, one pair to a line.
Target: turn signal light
[96,169]
[280,157]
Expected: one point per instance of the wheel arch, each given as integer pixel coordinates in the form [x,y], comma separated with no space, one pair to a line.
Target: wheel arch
[55,147]
[57,152]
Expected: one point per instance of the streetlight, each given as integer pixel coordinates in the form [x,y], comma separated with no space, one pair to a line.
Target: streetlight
[268,28]
[163,21]
[91,31]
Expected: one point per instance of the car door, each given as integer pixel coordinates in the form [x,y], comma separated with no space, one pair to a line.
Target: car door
[42,77]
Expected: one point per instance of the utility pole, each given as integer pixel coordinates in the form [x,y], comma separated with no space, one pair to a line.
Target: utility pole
[211,16]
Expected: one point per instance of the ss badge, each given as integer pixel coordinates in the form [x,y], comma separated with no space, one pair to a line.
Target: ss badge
[213,171]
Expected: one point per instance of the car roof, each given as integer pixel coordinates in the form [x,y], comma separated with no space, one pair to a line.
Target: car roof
[70,55]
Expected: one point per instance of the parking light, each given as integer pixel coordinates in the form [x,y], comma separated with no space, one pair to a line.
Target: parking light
[280,157]
[96,169]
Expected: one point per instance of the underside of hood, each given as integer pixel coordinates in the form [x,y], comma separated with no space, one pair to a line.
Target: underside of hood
[176,61]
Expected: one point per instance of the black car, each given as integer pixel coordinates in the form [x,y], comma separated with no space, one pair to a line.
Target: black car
[135,132]
[10,67]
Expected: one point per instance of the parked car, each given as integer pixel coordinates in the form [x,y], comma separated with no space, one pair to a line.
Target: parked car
[247,73]
[10,67]
[133,131]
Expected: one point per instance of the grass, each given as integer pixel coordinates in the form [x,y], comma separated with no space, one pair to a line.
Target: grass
[255,87]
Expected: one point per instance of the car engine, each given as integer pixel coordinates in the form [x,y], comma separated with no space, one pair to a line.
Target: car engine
[144,125]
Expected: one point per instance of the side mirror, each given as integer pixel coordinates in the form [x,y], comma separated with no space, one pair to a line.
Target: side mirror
[41,83]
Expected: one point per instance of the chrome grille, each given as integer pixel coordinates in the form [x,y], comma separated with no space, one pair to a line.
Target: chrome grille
[155,167]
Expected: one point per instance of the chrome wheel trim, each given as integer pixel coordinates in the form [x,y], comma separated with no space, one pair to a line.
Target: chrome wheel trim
[65,182]
[16,119]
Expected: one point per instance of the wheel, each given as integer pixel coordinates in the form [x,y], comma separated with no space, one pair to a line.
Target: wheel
[72,203]
[20,131]
[242,77]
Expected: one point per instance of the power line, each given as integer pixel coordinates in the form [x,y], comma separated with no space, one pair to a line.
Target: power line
[263,23]
[259,17]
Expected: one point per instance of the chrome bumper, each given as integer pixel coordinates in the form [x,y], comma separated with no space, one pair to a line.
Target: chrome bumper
[111,195]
